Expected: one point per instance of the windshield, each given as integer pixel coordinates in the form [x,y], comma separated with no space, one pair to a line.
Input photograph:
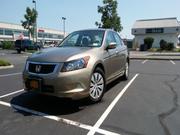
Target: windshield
[87,38]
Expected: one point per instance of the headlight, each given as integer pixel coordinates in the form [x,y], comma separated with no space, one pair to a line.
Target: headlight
[75,64]
[26,66]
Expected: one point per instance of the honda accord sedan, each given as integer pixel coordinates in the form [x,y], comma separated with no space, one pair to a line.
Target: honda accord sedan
[81,66]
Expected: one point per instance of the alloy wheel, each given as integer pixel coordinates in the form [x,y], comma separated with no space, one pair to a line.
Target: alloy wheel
[96,86]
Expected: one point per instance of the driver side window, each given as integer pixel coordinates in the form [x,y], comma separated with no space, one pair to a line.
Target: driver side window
[73,40]
[110,38]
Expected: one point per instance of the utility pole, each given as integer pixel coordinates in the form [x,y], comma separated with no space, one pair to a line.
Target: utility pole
[35,30]
[64,19]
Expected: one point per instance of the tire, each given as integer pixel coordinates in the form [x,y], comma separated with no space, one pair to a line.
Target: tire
[126,72]
[38,48]
[97,85]
[18,51]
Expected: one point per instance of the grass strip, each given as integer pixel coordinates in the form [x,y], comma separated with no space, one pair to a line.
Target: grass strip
[4,63]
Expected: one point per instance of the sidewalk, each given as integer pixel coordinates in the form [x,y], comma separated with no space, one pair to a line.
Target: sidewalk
[155,55]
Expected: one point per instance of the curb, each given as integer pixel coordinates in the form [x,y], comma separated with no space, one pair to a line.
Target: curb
[146,58]
[6,67]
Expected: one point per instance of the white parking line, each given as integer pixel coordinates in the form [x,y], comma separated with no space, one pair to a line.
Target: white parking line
[6,67]
[25,56]
[13,74]
[144,61]
[2,54]
[9,94]
[110,107]
[172,62]
[58,119]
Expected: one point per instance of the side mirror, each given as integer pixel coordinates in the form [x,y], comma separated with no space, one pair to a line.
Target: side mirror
[112,45]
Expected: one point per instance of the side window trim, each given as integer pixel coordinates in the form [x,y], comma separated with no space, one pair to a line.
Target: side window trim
[119,38]
[112,38]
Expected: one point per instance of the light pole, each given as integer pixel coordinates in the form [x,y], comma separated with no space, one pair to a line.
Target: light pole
[64,19]
[35,33]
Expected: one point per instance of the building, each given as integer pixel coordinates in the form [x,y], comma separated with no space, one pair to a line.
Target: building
[167,29]
[11,32]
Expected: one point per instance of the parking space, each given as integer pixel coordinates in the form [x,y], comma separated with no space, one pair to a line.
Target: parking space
[21,123]
[140,108]
[148,103]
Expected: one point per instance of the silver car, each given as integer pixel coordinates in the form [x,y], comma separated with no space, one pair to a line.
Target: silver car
[81,66]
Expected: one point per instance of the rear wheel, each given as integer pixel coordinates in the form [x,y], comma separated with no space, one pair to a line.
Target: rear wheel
[97,85]
[19,51]
[126,72]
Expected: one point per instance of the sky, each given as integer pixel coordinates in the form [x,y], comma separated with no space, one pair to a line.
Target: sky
[82,14]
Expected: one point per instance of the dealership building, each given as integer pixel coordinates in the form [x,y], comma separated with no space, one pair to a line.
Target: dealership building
[167,29]
[12,32]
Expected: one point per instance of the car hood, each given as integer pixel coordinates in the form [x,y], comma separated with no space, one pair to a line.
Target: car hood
[57,54]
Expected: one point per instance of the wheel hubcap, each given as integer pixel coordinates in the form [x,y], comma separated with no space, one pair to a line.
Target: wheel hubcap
[127,69]
[97,85]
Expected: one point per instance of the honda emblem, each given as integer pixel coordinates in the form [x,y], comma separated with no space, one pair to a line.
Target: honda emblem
[38,68]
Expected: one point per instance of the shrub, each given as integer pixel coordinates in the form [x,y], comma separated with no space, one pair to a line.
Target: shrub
[143,47]
[170,46]
[7,45]
[177,50]
[163,44]
[166,46]
[153,49]
[178,44]
[148,41]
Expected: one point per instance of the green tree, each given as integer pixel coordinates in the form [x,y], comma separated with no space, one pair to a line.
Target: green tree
[30,21]
[148,41]
[109,18]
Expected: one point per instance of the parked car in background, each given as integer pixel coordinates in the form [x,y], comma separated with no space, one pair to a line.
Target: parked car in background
[26,44]
[81,66]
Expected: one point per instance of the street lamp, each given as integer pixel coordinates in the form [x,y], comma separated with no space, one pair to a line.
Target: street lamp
[36,20]
[64,19]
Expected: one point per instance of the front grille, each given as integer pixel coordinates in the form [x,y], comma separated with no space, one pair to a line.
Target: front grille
[41,68]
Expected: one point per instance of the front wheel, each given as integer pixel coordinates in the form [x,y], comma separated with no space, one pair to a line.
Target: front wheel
[97,85]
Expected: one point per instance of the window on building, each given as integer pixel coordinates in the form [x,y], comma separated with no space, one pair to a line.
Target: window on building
[155,30]
[50,35]
[55,36]
[60,36]
[8,32]
[17,31]
[45,35]
[40,34]
[1,32]
[25,33]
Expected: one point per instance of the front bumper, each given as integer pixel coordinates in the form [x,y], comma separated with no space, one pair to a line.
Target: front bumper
[73,84]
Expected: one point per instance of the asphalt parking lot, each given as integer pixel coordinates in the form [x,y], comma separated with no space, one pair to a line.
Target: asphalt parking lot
[146,104]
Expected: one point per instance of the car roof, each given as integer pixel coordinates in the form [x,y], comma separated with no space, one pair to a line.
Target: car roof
[97,29]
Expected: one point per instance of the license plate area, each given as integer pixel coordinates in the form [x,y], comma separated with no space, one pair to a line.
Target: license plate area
[35,84]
